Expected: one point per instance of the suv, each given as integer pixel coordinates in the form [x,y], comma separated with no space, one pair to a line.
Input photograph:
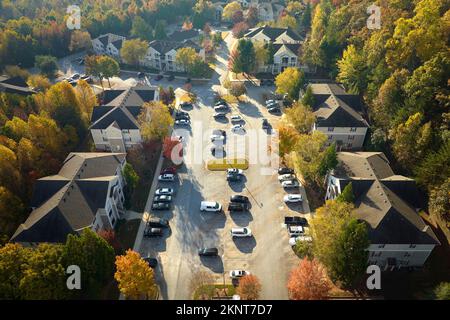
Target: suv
[208,252]
[241,232]
[295,231]
[239,199]
[265,124]
[234,206]
[153,232]
[158,223]
[210,206]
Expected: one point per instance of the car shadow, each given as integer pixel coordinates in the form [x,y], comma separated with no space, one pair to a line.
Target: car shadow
[238,186]
[245,245]
[158,244]
[298,207]
[241,219]
[215,264]
[224,120]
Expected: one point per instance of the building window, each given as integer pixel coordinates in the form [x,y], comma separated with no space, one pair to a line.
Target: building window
[353,129]
[330,129]
[381,246]
[109,213]
[351,137]
[349,145]
[412,246]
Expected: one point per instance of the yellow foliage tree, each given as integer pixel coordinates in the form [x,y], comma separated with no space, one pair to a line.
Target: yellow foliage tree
[155,120]
[135,277]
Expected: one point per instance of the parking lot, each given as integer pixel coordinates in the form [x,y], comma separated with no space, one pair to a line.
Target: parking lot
[267,253]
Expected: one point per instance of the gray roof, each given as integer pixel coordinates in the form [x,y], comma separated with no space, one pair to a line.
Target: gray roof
[334,107]
[68,202]
[385,201]
[183,35]
[164,46]
[122,107]
[14,85]
[273,33]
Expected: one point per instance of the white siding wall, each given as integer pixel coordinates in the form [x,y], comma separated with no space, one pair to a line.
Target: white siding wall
[406,255]
[351,140]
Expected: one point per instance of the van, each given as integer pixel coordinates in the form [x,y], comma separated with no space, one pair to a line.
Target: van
[210,206]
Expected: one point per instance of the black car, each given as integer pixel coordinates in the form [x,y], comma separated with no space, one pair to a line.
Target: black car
[152,262]
[274,110]
[186,105]
[233,206]
[239,199]
[141,75]
[285,171]
[158,223]
[232,177]
[296,221]
[180,113]
[153,232]
[182,116]
[208,252]
[218,150]
[265,124]
[160,206]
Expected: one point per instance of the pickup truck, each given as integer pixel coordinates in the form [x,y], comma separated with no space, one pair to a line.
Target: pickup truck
[295,221]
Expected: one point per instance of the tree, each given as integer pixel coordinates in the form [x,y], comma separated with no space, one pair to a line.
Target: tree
[304,249]
[16,71]
[349,258]
[308,98]
[243,60]
[230,9]
[249,287]
[300,117]
[251,17]
[93,67]
[86,97]
[347,194]
[289,82]
[239,29]
[442,291]
[439,204]
[38,82]
[12,211]
[186,57]
[134,276]
[329,160]
[47,65]
[80,40]
[287,22]
[308,281]
[288,139]
[130,176]
[237,89]
[13,257]
[110,237]
[94,256]
[141,29]
[155,120]
[160,30]
[201,285]
[352,70]
[133,51]
[108,67]
[169,145]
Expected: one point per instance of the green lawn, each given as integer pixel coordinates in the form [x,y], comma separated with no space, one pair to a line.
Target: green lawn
[216,290]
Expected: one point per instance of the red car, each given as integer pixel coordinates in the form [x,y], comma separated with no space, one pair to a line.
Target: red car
[170,170]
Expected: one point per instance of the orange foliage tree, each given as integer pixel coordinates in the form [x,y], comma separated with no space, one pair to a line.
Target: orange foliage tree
[249,287]
[308,281]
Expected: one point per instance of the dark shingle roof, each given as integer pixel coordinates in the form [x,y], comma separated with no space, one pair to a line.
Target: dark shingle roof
[118,116]
[183,35]
[273,33]
[118,44]
[14,85]
[383,200]
[164,46]
[68,202]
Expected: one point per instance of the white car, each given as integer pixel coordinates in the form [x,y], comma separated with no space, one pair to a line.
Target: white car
[178,138]
[293,198]
[234,274]
[217,137]
[164,191]
[182,122]
[295,231]
[210,206]
[285,177]
[293,240]
[166,177]
[239,128]
[290,184]
[236,118]
[241,232]
[235,171]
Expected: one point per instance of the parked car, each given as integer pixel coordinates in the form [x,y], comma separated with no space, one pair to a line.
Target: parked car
[166,177]
[152,262]
[236,118]
[293,240]
[216,137]
[299,221]
[290,184]
[295,231]
[141,75]
[218,151]
[159,206]
[169,170]
[182,116]
[293,198]
[235,274]
[241,232]
[182,122]
[186,105]
[235,206]
[239,199]
[231,177]
[285,171]
[235,171]
[220,115]
[164,191]
[221,108]
[182,113]
[220,102]
[274,110]
[208,252]
[153,232]
[210,206]
[219,132]
[75,76]
[239,128]
[285,177]
[265,124]
[86,78]
[158,77]
[162,198]
[157,223]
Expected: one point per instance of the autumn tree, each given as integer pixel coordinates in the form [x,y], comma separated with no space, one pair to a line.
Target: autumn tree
[135,277]
[12,211]
[80,40]
[237,89]
[308,281]
[141,29]
[289,82]
[288,139]
[133,51]
[352,70]
[442,291]
[155,120]
[201,285]
[39,82]
[108,68]
[230,9]
[86,97]
[239,29]
[347,194]
[300,117]
[160,30]
[169,146]
[13,257]
[308,98]
[111,237]
[47,65]
[249,287]
[243,59]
